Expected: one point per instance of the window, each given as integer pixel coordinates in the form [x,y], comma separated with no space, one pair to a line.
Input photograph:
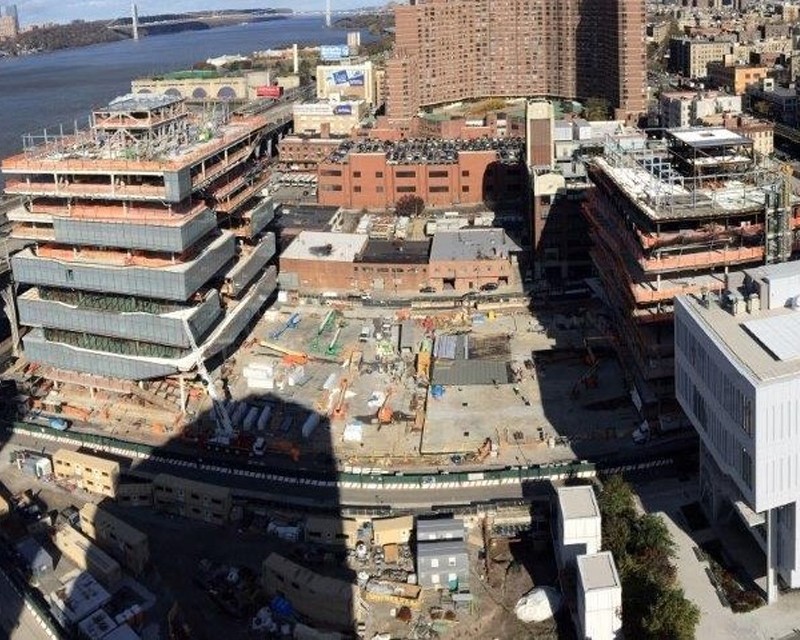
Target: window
[356,189]
[465,173]
[70,275]
[406,189]
[438,174]
[406,174]
[435,578]
[331,172]
[379,174]
[379,189]
[330,187]
[465,189]
[440,189]
[747,469]
[434,563]
[451,561]
[356,174]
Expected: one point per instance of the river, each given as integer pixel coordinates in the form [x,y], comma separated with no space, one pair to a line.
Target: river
[56,88]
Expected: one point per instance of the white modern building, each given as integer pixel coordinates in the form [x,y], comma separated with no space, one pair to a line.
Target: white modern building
[599,597]
[681,109]
[737,377]
[579,523]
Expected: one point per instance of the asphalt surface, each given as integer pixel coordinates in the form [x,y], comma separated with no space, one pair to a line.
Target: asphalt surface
[16,620]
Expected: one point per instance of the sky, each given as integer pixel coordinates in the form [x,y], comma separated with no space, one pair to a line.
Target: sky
[38,11]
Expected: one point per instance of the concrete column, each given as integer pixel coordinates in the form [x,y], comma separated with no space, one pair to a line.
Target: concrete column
[772,582]
[10,306]
[182,382]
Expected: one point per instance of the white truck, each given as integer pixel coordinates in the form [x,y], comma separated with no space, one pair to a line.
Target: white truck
[666,423]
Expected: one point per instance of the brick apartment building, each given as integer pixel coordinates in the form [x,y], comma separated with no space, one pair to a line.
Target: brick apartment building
[350,263]
[373,174]
[304,153]
[451,50]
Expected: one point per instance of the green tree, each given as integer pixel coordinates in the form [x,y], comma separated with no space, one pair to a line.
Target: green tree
[671,617]
[653,608]
[652,534]
[616,499]
[597,109]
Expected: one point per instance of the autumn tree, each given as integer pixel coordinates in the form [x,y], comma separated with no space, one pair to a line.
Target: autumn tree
[409,205]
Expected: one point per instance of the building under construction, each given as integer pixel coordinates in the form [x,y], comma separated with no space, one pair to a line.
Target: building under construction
[673,218]
[147,243]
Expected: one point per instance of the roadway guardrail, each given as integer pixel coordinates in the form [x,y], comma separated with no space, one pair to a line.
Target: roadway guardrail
[352,478]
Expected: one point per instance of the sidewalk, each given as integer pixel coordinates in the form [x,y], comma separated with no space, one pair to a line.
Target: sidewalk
[774,622]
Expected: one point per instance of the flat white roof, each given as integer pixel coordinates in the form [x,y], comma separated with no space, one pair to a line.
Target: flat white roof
[745,340]
[578,502]
[472,244]
[598,571]
[326,246]
[709,136]
[778,334]
[79,596]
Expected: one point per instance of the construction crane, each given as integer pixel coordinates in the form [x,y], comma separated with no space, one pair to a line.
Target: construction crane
[291,323]
[484,450]
[424,367]
[324,327]
[339,408]
[289,355]
[385,413]
[225,431]
[333,346]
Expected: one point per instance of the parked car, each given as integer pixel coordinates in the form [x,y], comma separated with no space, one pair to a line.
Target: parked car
[489,286]
[428,290]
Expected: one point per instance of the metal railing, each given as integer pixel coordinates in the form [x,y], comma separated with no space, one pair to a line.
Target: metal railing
[354,478]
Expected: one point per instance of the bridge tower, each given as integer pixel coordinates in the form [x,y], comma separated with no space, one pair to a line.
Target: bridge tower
[328,13]
[135,20]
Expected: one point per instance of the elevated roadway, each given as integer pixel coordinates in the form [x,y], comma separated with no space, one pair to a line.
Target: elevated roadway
[356,488]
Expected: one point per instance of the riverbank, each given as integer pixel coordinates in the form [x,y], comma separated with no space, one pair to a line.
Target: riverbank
[83,34]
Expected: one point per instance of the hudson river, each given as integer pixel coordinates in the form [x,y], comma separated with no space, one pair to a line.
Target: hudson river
[56,88]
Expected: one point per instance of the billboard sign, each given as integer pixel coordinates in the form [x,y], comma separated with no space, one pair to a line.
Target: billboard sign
[269,91]
[334,52]
[346,78]
[342,110]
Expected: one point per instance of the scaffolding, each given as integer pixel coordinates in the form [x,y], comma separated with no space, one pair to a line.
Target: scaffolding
[671,219]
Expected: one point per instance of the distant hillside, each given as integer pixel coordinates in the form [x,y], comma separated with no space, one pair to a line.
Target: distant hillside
[375,23]
[65,36]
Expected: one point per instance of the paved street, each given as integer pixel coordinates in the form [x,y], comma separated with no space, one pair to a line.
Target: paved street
[665,497]
[312,491]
